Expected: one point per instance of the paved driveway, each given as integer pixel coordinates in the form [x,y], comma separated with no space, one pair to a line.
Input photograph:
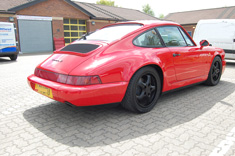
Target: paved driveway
[198,121]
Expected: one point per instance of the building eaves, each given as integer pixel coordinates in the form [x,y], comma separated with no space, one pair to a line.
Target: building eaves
[6,12]
[193,16]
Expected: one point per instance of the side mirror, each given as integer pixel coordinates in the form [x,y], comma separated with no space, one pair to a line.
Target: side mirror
[204,43]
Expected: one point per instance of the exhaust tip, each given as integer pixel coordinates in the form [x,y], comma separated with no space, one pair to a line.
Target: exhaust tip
[69,104]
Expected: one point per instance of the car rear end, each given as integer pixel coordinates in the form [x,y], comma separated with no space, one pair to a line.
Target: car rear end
[52,78]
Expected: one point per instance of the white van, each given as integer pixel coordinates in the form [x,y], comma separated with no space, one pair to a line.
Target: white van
[219,32]
[8,45]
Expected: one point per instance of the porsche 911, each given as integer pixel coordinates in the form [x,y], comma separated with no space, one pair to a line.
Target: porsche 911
[131,63]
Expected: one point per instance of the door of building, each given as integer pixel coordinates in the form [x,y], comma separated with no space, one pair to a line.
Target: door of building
[35,35]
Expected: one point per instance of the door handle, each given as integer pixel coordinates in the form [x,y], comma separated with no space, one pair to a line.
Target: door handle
[174,54]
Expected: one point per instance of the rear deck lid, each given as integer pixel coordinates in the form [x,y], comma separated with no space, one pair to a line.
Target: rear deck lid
[62,63]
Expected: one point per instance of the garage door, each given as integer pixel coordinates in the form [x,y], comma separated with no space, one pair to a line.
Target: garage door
[35,36]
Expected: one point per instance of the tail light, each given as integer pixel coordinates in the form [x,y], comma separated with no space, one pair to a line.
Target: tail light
[67,79]
[83,80]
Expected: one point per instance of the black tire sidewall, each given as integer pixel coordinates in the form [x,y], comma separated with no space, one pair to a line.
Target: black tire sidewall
[136,77]
[13,57]
[210,80]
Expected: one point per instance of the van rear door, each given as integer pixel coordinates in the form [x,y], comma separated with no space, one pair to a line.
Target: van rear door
[8,46]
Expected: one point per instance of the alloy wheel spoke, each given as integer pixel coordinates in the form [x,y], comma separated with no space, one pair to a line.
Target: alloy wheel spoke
[214,74]
[214,68]
[152,88]
[141,96]
[146,90]
[141,84]
[148,82]
[217,65]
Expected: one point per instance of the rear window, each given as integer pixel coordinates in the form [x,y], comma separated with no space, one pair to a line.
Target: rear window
[112,33]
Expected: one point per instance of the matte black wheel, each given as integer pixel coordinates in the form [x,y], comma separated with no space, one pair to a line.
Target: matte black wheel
[143,91]
[13,57]
[215,72]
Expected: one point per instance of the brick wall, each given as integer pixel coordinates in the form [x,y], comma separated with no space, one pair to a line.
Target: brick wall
[57,9]
[98,24]
[57,28]
[53,8]
[4,19]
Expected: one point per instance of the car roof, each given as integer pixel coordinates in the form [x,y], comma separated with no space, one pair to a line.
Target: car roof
[146,23]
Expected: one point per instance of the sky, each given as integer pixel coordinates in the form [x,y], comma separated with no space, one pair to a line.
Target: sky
[169,6]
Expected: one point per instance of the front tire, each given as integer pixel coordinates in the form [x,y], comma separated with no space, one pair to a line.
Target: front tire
[13,57]
[215,72]
[143,91]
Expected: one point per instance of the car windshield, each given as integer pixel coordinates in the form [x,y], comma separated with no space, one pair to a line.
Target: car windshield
[112,33]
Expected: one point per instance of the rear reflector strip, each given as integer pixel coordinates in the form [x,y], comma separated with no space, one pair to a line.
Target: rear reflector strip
[67,79]
[51,76]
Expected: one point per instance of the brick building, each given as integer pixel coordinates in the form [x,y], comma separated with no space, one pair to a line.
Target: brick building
[39,21]
[189,19]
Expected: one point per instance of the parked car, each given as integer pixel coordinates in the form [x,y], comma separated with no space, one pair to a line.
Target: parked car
[8,47]
[130,62]
[219,32]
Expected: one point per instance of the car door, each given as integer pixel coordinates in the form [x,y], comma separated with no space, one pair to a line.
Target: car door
[150,42]
[186,55]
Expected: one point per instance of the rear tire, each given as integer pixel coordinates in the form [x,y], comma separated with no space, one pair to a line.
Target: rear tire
[143,91]
[13,57]
[215,72]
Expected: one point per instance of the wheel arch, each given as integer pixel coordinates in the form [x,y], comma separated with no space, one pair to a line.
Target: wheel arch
[157,68]
[212,59]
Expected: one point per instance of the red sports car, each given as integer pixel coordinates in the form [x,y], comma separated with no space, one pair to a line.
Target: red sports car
[130,63]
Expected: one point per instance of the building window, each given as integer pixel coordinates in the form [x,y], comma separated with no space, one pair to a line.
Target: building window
[73,29]
[190,33]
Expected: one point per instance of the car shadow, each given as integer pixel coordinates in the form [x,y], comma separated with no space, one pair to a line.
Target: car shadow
[5,60]
[108,124]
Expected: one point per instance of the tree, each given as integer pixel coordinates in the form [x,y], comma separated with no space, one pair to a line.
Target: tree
[161,16]
[147,9]
[106,2]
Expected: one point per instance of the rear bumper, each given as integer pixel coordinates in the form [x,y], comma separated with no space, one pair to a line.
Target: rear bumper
[7,54]
[82,95]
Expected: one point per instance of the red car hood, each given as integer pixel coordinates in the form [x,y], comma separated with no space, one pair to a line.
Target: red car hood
[64,60]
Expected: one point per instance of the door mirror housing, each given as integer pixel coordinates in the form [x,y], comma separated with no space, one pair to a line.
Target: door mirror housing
[204,43]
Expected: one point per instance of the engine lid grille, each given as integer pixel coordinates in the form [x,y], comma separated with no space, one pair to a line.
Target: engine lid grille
[80,48]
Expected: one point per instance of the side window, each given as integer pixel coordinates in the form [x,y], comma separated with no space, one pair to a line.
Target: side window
[187,39]
[171,36]
[148,39]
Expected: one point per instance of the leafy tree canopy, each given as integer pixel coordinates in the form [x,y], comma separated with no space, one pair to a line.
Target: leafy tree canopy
[147,9]
[106,2]
[161,16]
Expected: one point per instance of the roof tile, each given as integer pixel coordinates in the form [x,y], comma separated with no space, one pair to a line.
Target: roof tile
[118,13]
[96,11]
[7,4]
[192,17]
